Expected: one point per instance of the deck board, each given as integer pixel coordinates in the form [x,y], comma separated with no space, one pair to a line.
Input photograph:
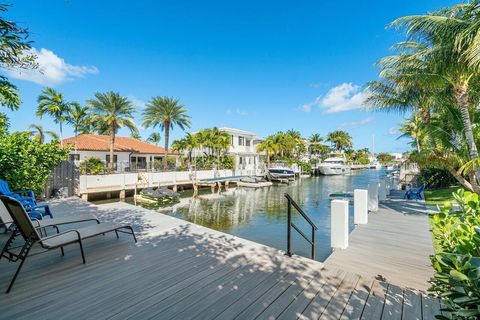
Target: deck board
[183,271]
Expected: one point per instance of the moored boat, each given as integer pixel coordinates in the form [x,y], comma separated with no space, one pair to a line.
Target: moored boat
[335,164]
[279,171]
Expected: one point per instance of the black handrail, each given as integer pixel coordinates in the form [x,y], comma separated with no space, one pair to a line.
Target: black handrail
[290,224]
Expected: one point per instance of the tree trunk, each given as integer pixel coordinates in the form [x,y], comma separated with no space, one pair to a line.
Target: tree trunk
[462,98]
[112,146]
[61,134]
[417,141]
[167,137]
[464,182]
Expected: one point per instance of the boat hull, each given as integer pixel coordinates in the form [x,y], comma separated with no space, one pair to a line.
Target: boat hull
[334,170]
[281,174]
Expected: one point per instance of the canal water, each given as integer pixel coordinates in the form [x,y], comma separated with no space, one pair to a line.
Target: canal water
[260,214]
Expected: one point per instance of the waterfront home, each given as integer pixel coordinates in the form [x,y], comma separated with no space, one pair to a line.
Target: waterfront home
[129,154]
[243,148]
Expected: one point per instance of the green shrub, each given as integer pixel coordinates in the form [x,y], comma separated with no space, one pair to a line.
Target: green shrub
[436,178]
[456,235]
[93,166]
[25,163]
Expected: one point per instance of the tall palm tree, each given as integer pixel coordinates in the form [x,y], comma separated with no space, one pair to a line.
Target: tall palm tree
[340,139]
[79,118]
[53,103]
[109,112]
[154,138]
[269,146]
[446,41]
[165,112]
[415,129]
[38,130]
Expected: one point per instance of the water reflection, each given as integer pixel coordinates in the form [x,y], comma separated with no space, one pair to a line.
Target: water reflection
[260,214]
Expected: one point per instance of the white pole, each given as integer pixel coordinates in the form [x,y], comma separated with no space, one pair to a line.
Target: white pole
[373,197]
[360,206]
[382,191]
[339,224]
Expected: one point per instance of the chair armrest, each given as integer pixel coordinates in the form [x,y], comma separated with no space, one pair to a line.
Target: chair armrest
[25,193]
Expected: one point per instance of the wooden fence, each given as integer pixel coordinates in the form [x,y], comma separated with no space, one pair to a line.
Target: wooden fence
[65,178]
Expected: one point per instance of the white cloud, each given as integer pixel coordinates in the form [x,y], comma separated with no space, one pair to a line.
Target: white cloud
[393,131]
[137,102]
[344,97]
[240,112]
[52,69]
[359,123]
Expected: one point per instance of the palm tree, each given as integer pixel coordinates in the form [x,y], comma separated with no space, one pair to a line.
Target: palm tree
[415,129]
[165,112]
[447,41]
[53,103]
[154,138]
[135,135]
[340,139]
[38,130]
[109,112]
[268,145]
[79,118]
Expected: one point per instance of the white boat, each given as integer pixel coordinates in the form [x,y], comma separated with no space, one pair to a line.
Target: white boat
[375,164]
[253,182]
[279,171]
[335,164]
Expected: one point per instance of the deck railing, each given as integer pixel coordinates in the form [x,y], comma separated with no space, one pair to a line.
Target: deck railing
[290,225]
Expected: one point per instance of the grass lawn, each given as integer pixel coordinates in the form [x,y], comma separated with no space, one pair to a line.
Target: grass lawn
[439,196]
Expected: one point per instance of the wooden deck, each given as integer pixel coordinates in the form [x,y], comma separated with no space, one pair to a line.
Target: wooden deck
[395,245]
[183,271]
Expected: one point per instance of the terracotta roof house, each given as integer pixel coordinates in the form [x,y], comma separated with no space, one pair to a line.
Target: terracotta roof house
[129,153]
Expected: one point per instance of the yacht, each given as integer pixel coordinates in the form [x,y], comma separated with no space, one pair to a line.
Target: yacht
[335,164]
[279,171]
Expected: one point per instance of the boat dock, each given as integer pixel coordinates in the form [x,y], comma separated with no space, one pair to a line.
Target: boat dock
[395,245]
[180,270]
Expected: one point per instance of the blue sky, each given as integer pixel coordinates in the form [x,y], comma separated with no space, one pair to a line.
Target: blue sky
[261,66]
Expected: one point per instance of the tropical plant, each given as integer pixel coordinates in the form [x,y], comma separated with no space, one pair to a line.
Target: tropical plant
[154,138]
[416,129]
[25,163]
[110,111]
[436,177]
[456,234]
[53,103]
[15,53]
[165,112]
[92,166]
[384,158]
[135,135]
[341,140]
[79,118]
[39,132]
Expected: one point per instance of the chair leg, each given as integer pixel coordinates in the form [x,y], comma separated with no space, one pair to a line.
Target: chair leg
[81,250]
[18,269]
[63,251]
[116,232]
[133,234]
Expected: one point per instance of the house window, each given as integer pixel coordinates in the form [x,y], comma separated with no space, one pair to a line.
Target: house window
[107,160]
[241,141]
[139,163]
[231,139]
[74,157]
[247,142]
[240,160]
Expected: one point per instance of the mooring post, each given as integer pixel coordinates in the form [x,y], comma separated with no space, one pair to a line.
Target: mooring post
[339,224]
[382,190]
[360,206]
[373,197]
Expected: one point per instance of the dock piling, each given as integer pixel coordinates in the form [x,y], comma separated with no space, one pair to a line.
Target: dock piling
[360,206]
[339,224]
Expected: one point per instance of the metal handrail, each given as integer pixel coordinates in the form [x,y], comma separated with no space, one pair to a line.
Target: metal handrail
[290,224]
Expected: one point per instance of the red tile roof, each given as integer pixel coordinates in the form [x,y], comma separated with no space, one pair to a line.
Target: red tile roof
[95,142]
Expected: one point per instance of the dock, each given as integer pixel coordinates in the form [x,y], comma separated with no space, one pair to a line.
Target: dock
[395,245]
[180,270]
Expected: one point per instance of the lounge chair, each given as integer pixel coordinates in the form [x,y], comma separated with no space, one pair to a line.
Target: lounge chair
[28,231]
[415,193]
[27,198]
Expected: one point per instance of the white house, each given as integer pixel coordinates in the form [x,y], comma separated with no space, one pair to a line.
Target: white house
[243,148]
[129,154]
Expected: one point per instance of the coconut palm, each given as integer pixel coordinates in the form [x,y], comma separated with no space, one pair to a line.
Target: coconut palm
[109,112]
[268,145]
[341,140]
[165,112]
[445,40]
[38,130]
[414,128]
[154,138]
[135,135]
[53,103]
